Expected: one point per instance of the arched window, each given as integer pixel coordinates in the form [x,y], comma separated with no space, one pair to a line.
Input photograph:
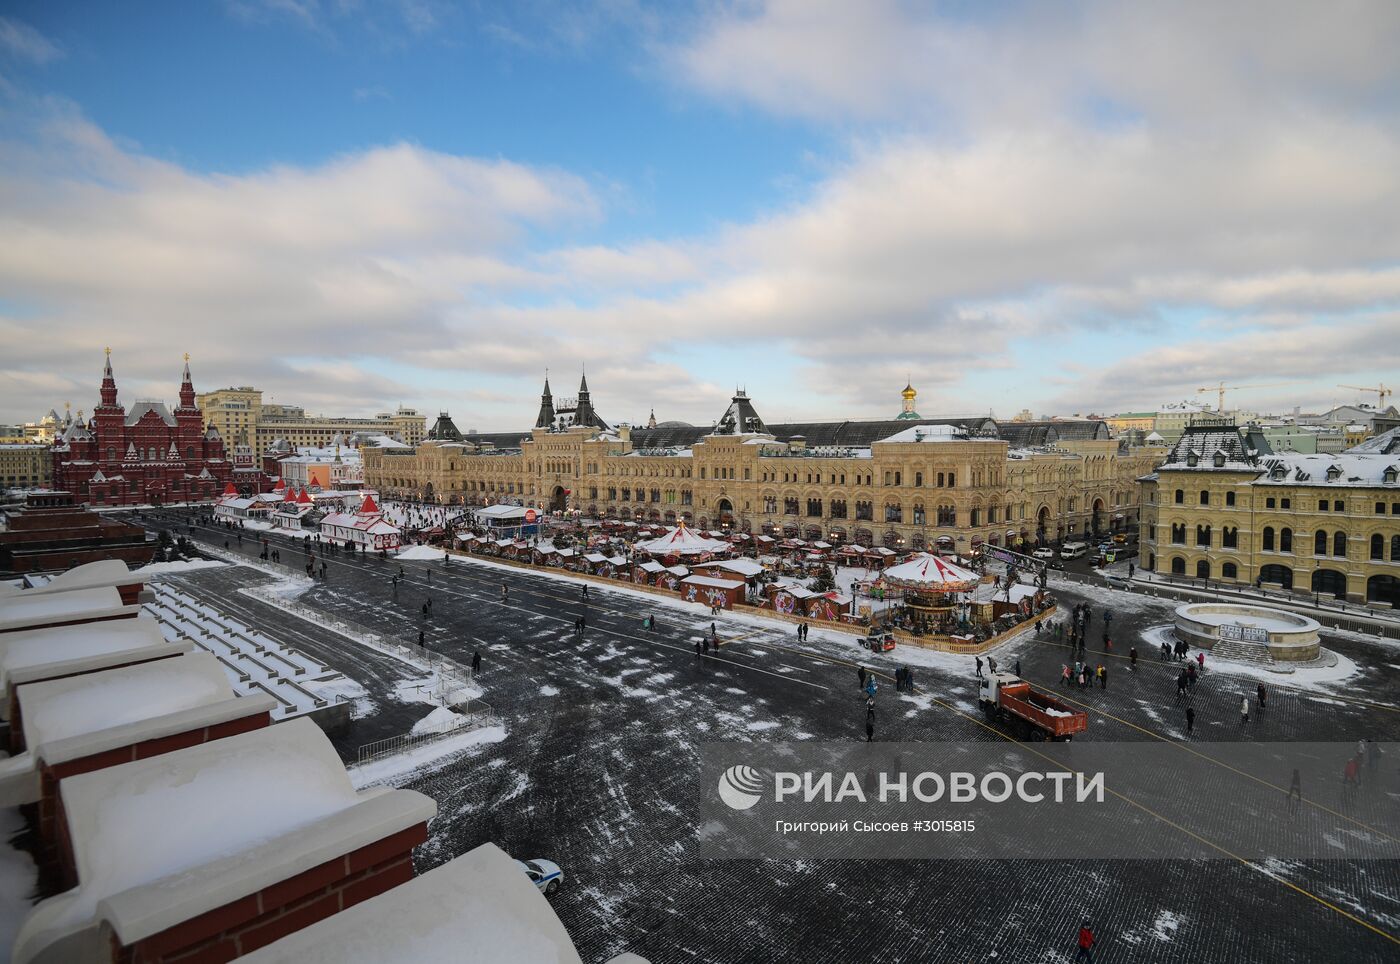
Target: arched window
[1285,540]
[1202,569]
[940,480]
[1320,543]
[1268,539]
[1228,571]
[1205,497]
[918,479]
[1339,544]
[1377,546]
[1202,535]
[1178,566]
[1395,548]
[1229,498]
[1230,537]
[1180,496]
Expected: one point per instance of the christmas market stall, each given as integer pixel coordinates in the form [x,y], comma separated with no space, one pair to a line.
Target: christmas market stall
[725,593]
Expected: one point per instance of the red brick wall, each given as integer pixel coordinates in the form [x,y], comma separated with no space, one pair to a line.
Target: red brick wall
[57,847]
[283,908]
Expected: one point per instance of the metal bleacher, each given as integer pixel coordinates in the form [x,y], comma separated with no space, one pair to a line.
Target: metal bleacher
[254,662]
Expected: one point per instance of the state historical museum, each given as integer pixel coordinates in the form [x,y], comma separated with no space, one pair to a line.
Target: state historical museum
[149,456]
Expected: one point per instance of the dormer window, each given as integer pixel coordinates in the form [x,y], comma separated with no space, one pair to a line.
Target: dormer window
[1333,473]
[1389,475]
[1192,458]
[1277,473]
[1219,459]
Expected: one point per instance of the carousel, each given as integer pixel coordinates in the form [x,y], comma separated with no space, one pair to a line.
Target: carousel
[682,543]
[930,587]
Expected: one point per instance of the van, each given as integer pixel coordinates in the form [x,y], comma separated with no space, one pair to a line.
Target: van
[1073,550]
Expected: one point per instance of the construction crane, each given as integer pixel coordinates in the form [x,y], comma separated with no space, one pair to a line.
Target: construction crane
[1222,388]
[1381,391]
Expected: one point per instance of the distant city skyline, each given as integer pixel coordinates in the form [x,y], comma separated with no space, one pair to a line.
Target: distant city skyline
[1100,208]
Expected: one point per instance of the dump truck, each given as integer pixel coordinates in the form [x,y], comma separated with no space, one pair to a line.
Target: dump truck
[1027,712]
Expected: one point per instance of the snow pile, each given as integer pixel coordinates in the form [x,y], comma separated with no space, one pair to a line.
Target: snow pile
[439,720]
[427,553]
[186,565]
[18,879]
[40,647]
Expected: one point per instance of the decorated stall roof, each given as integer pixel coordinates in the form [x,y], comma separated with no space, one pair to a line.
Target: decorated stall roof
[681,541]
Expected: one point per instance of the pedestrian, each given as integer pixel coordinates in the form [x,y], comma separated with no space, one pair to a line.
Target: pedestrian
[1103,677]
[861,673]
[1107,643]
[1064,674]
[582,625]
[425,610]
[1201,659]
[705,645]
[476,661]
[1295,789]
[1262,696]
[421,639]
[1132,656]
[871,686]
[991,665]
[1081,679]
[1244,710]
[979,665]
[1373,756]
[1190,719]
[1181,684]
[1086,944]
[697,644]
[870,727]
[1018,666]
[908,680]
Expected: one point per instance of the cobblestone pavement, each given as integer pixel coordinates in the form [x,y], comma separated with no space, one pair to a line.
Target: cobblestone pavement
[601,751]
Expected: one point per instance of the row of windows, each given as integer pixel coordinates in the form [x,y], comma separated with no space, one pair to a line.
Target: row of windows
[1272,502]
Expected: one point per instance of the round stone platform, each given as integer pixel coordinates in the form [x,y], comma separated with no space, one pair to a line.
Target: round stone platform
[1286,636]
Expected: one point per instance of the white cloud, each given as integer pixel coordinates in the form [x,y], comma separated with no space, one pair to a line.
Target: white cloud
[23,42]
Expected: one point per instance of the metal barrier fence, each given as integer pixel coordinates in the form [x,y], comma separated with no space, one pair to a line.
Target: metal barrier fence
[475,719]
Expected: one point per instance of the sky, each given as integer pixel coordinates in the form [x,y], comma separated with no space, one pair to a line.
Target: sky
[1080,207]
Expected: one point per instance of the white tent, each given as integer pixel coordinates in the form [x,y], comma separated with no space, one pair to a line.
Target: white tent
[925,571]
[680,541]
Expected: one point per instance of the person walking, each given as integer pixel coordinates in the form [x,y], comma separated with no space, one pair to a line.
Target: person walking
[1295,790]
[870,726]
[1244,710]
[1018,667]
[1262,696]
[871,687]
[861,673]
[978,660]
[1132,656]
[1086,944]
[476,661]
[1190,719]
[1201,659]
[698,641]
[908,680]
[421,638]
[1103,677]
[1064,674]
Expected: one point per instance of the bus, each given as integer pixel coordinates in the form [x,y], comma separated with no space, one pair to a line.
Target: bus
[1073,550]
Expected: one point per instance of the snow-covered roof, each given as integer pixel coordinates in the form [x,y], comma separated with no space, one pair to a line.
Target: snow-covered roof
[926,433]
[713,583]
[479,908]
[32,609]
[795,591]
[652,567]
[90,575]
[79,716]
[45,653]
[502,512]
[163,840]
[1347,469]
[744,567]
[372,524]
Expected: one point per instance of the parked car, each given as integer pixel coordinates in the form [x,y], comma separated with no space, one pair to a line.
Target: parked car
[1116,580]
[544,874]
[1044,552]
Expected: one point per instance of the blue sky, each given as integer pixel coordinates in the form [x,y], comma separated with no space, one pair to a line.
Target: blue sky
[1089,208]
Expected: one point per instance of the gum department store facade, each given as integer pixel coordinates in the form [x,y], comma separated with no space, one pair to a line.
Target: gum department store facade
[909,482]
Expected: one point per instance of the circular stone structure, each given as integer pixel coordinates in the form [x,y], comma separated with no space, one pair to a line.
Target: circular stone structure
[1288,636]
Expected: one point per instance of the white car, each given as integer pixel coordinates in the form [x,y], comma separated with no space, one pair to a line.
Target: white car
[1116,580]
[1045,552]
[544,874]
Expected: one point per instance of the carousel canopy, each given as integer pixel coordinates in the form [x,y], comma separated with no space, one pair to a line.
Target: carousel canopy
[926,571]
[680,541]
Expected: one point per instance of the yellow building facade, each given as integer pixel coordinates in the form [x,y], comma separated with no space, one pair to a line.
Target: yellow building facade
[25,465]
[240,413]
[1222,507]
[913,485]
